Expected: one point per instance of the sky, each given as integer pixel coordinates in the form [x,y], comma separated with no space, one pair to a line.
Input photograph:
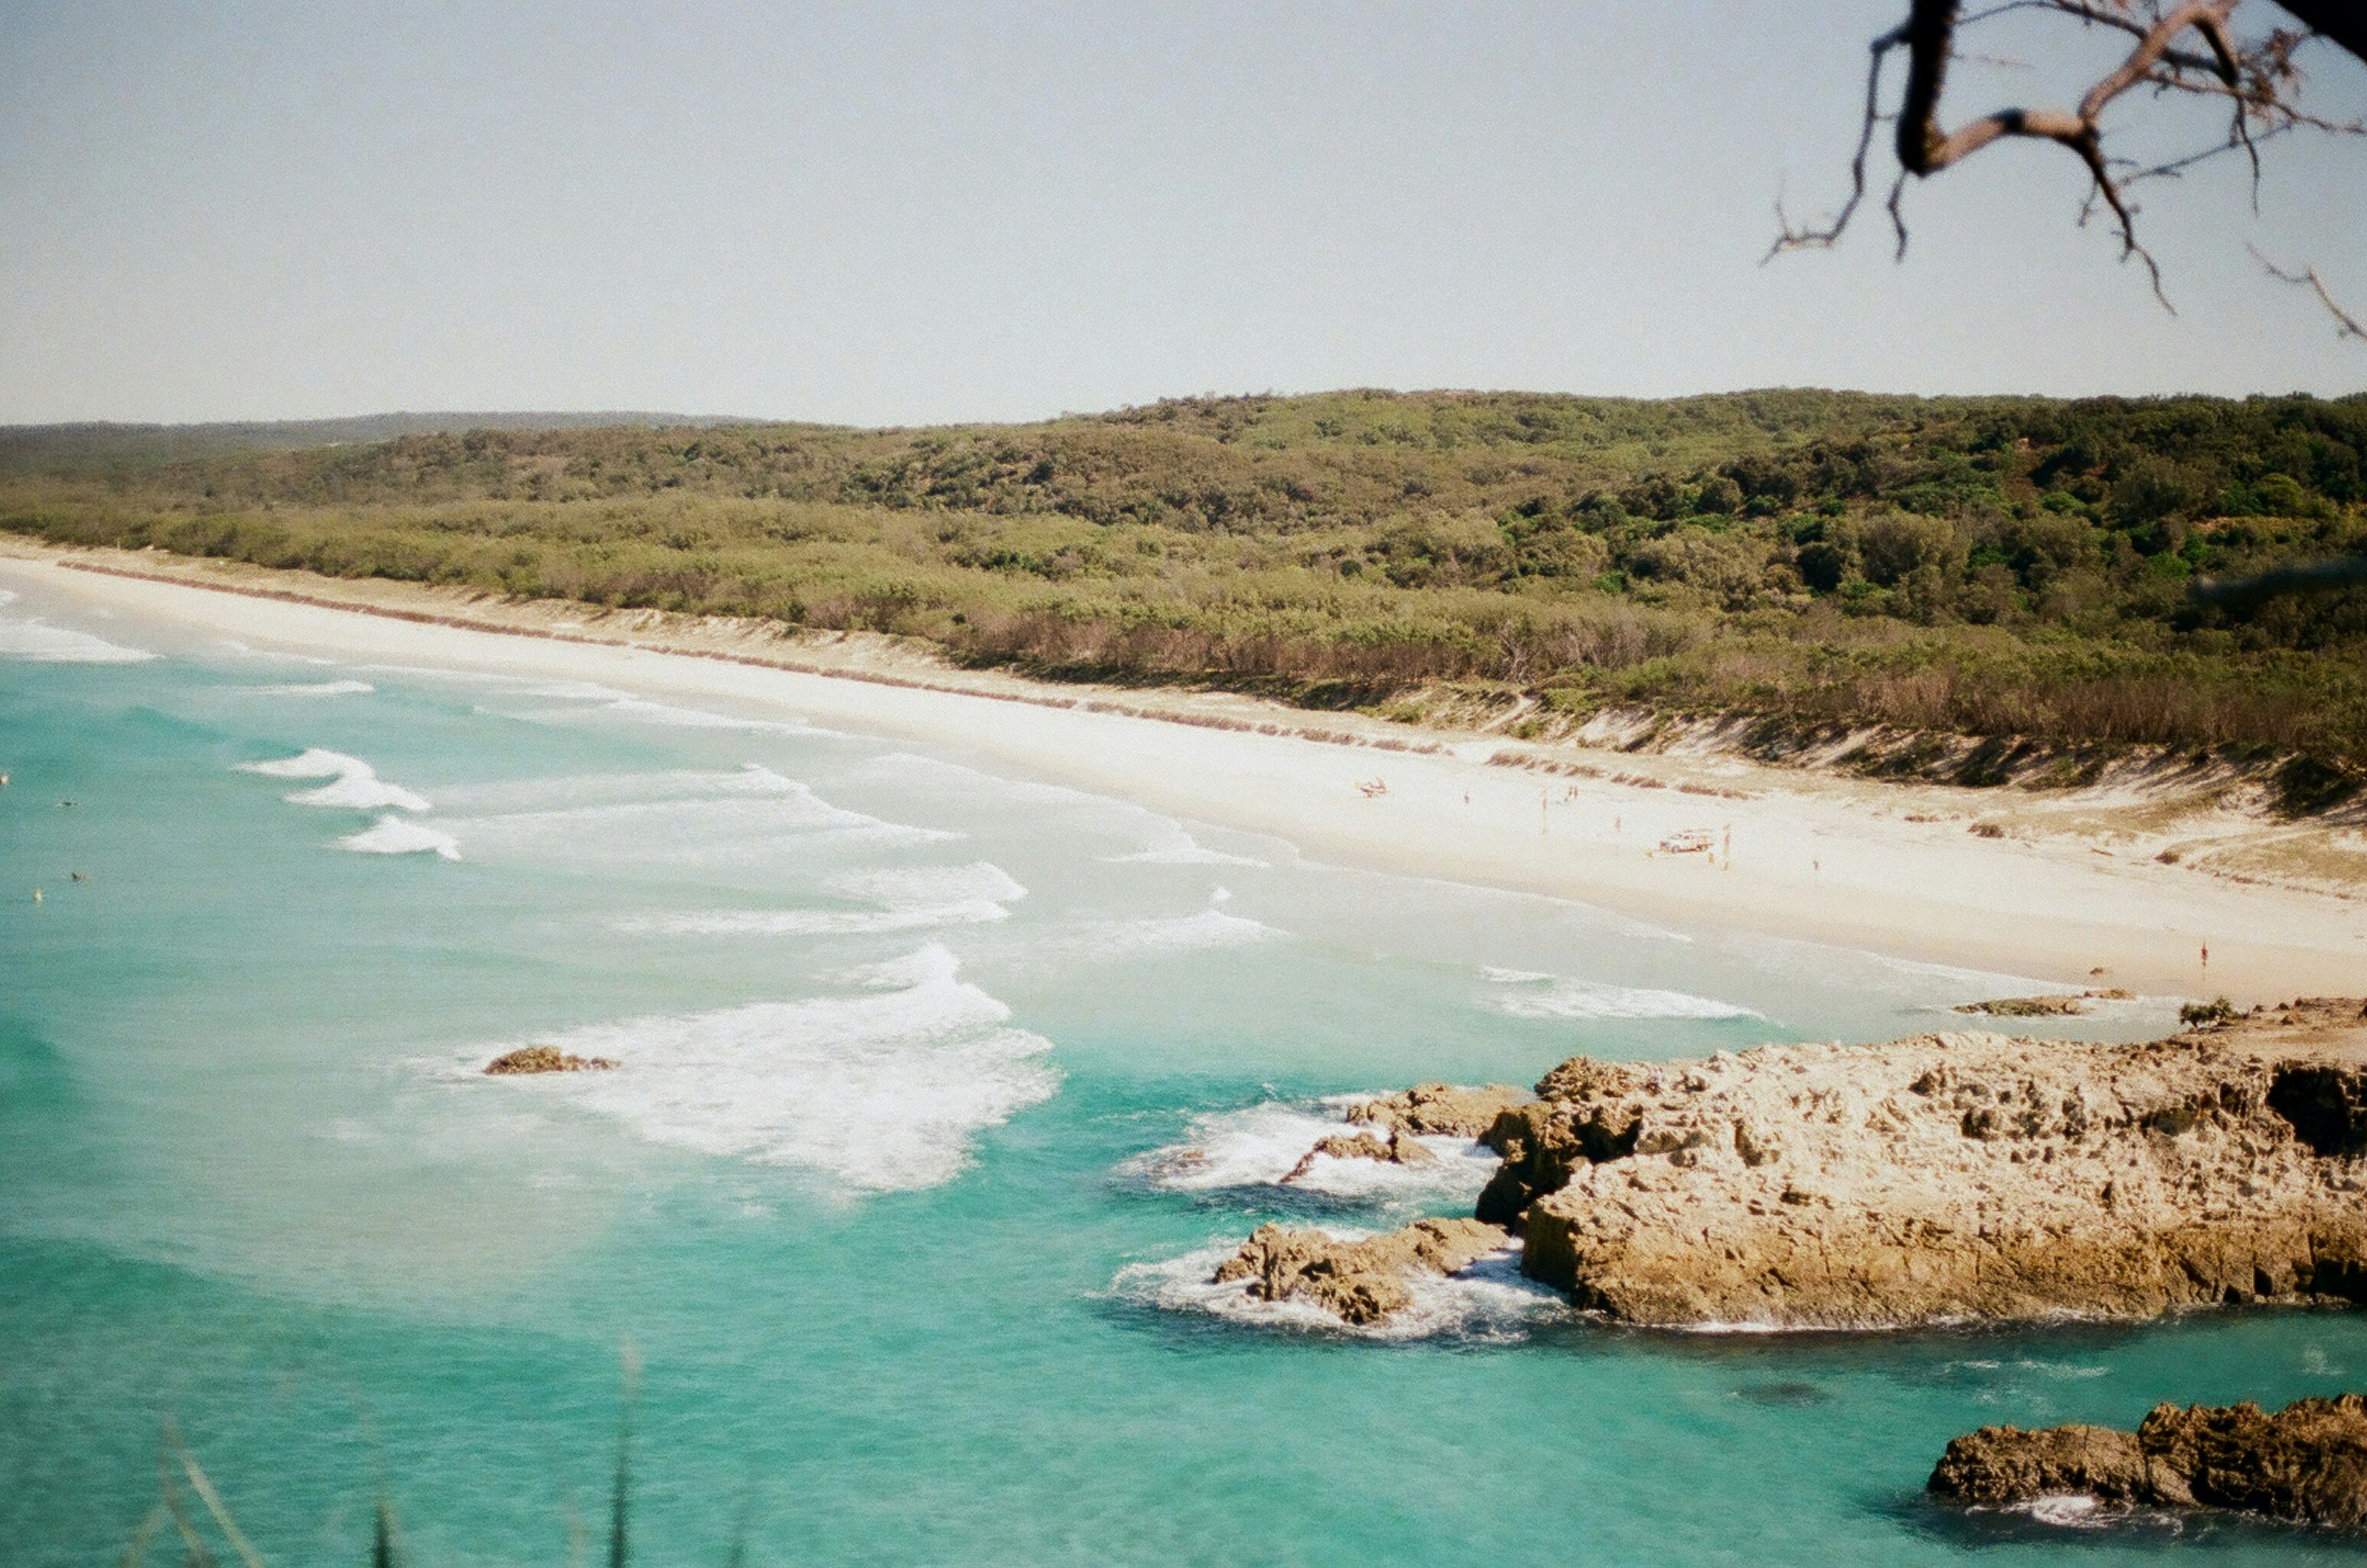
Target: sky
[913,213]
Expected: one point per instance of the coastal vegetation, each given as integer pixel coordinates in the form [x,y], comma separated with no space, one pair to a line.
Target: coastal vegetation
[2015,567]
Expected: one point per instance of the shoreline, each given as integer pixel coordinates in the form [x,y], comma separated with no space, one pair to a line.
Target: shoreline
[2068,885]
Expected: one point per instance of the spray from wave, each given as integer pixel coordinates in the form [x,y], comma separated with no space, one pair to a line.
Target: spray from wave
[1264,1149]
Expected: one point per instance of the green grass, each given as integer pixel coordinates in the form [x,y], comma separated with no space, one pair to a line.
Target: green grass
[1997,567]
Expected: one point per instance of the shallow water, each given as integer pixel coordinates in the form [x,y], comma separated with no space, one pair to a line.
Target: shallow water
[938,1088]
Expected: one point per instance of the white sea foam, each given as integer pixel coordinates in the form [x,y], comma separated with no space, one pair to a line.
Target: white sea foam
[1258,1145]
[919,898]
[1179,933]
[1524,993]
[644,710]
[393,835]
[921,886]
[881,1091]
[41,643]
[1180,847]
[682,820]
[315,689]
[809,922]
[570,790]
[354,784]
[1489,1300]
[2073,1510]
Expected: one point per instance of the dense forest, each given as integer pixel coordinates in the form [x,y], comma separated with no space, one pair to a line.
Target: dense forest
[2010,567]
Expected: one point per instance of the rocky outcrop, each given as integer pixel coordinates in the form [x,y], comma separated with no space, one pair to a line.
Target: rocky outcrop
[2066,1006]
[2306,1463]
[1432,1109]
[1362,1281]
[543,1059]
[1398,1148]
[1942,1177]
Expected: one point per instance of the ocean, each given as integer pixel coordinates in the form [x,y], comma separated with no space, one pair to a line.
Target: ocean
[941,1091]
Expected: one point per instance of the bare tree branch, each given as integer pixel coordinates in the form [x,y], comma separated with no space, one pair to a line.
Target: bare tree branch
[2257,79]
[2346,325]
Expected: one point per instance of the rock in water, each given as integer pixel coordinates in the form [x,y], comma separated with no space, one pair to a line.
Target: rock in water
[2306,1463]
[1436,1108]
[1362,1281]
[1948,1177]
[2069,1005]
[543,1059]
[1401,1148]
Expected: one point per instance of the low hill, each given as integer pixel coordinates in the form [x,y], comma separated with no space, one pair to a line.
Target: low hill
[2014,568]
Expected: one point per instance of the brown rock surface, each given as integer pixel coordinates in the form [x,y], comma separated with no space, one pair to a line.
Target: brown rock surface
[2306,1463]
[543,1059]
[1437,1109]
[1949,1176]
[1362,1281]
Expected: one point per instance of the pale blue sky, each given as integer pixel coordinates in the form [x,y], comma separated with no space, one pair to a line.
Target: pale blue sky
[919,212]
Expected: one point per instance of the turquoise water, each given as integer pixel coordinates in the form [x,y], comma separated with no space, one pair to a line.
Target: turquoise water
[932,1078]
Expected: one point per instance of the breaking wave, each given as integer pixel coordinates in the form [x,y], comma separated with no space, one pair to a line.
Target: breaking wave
[915,899]
[881,1091]
[315,689]
[1180,847]
[354,784]
[1257,1146]
[393,835]
[732,823]
[1208,929]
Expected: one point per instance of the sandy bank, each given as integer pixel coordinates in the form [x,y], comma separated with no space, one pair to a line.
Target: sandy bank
[2071,889]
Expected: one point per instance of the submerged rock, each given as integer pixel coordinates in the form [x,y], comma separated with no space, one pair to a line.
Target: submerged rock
[2306,1463]
[1362,1281]
[1399,1148]
[1438,1110]
[543,1059]
[2066,1006]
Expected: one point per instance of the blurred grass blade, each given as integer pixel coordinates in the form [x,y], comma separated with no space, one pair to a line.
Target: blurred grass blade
[198,1556]
[618,1551]
[204,1488]
[382,1552]
[137,1552]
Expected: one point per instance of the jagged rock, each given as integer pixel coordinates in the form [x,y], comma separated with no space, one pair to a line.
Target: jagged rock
[543,1059]
[1947,1176]
[1436,1108]
[2306,1463]
[2326,1105]
[2005,1464]
[1362,1281]
[1399,1148]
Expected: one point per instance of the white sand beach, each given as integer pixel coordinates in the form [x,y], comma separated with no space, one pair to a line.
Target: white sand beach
[2071,893]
